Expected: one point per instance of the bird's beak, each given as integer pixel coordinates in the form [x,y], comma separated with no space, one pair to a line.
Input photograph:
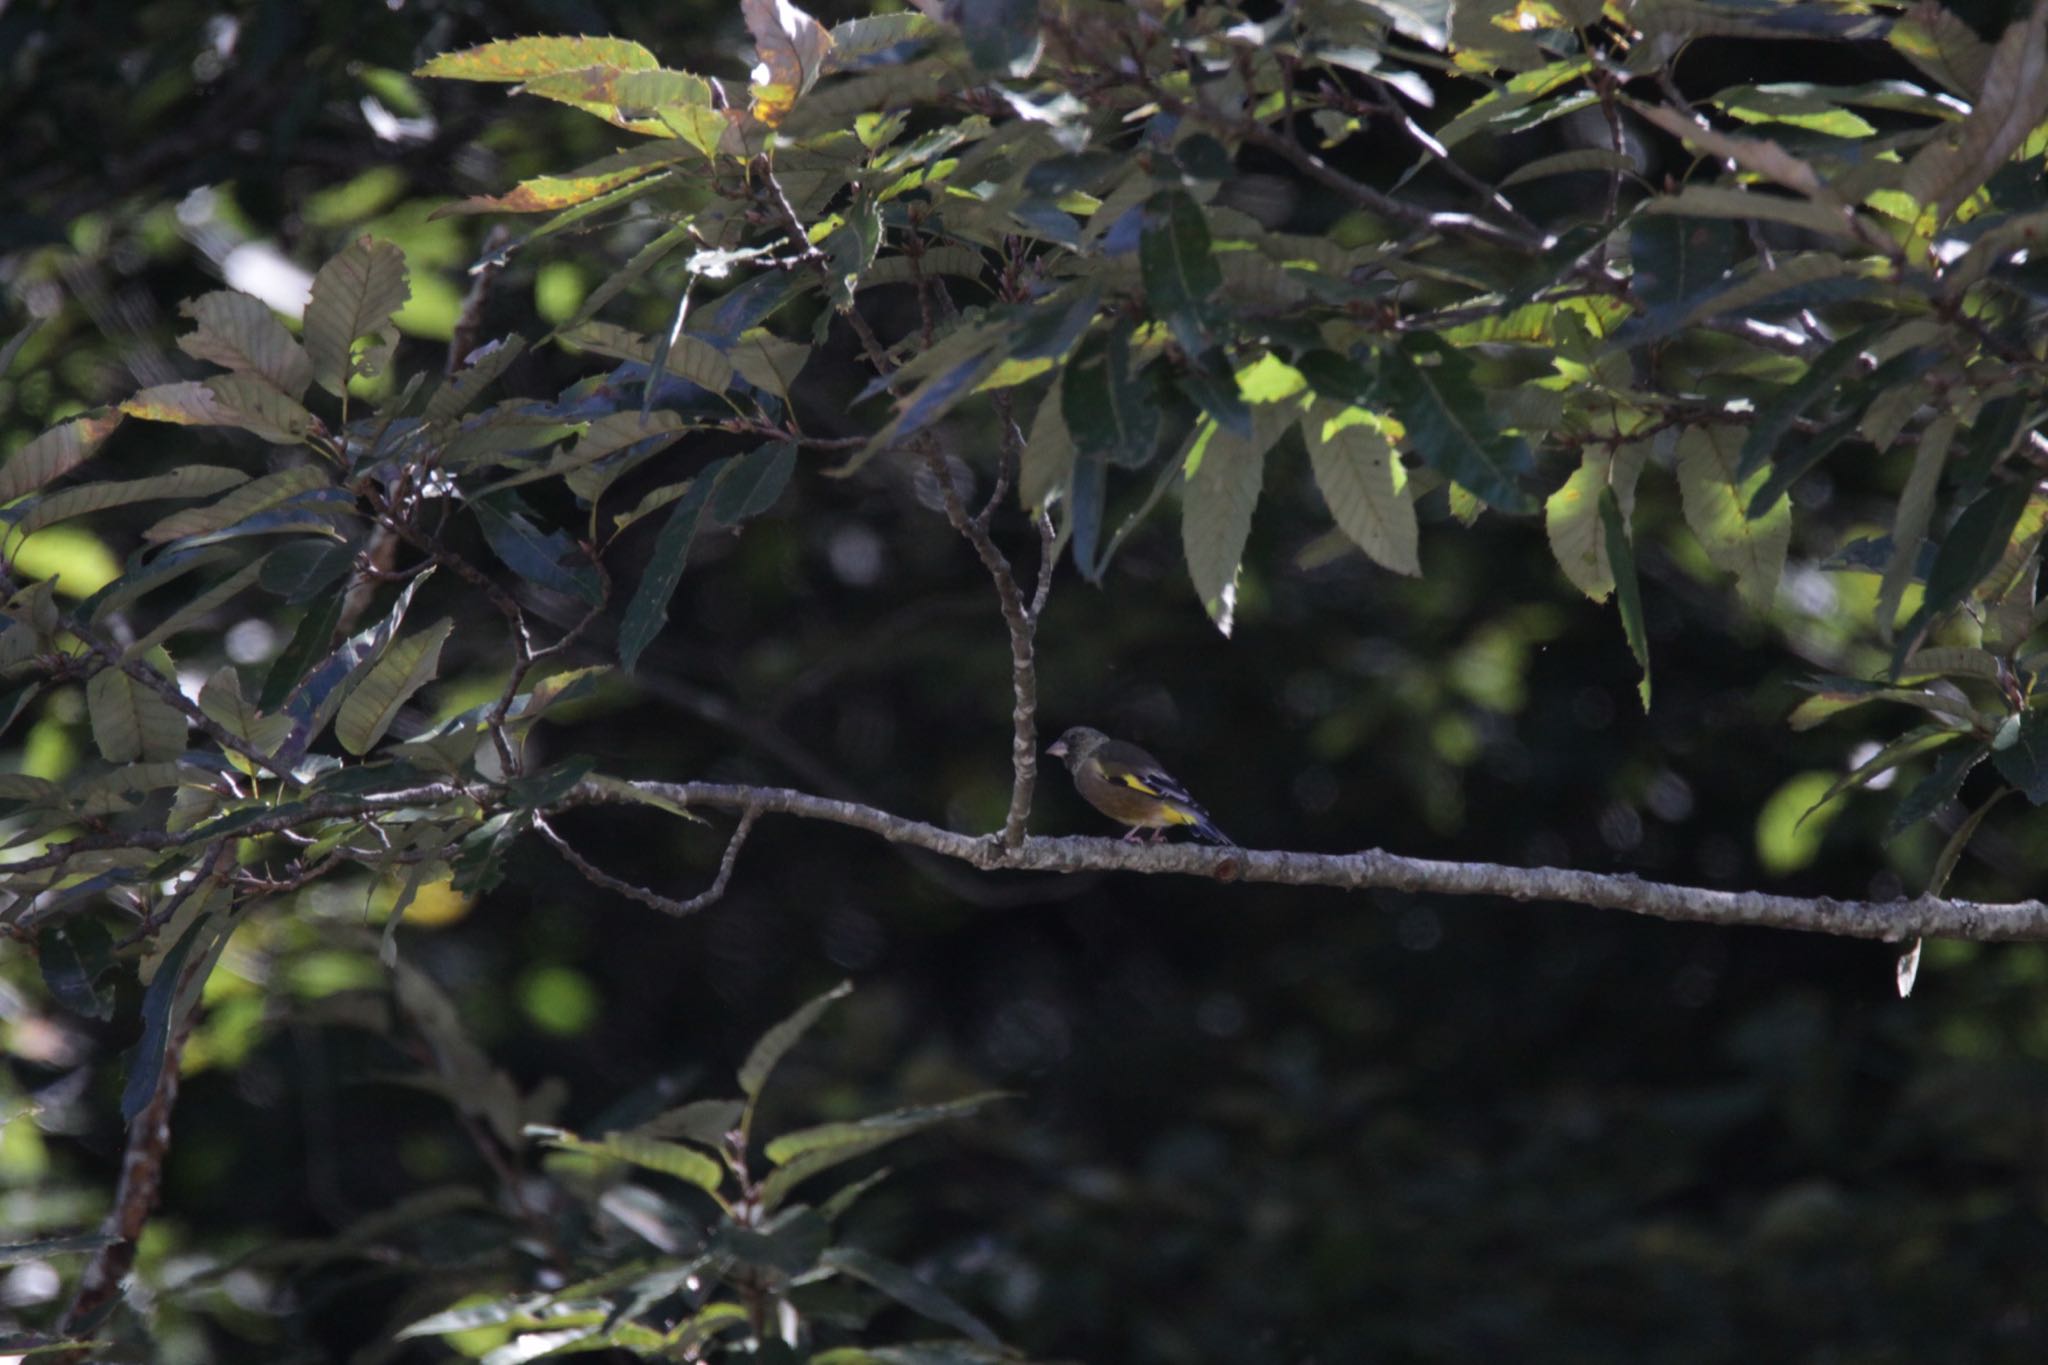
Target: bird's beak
[1058,748]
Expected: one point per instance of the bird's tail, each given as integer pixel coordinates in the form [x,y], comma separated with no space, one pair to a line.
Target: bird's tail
[1205,828]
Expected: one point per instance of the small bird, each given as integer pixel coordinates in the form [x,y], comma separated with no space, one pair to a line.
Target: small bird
[1127,784]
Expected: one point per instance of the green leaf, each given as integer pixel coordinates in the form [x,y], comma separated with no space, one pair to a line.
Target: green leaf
[1224,474]
[1916,741]
[304,568]
[751,484]
[1571,515]
[1935,790]
[647,612]
[920,1296]
[2014,99]
[669,1158]
[2025,762]
[74,955]
[1087,494]
[549,559]
[197,608]
[310,641]
[520,59]
[1448,425]
[1047,463]
[1109,411]
[782,1037]
[374,702]
[1914,514]
[1676,261]
[1970,552]
[130,721]
[1003,36]
[193,481]
[897,1123]
[1627,595]
[1945,863]
[1364,485]
[169,995]
[458,392]
[1174,260]
[690,357]
[789,51]
[1716,500]
[354,294]
[57,451]
[247,499]
[704,1122]
[241,333]
[1823,378]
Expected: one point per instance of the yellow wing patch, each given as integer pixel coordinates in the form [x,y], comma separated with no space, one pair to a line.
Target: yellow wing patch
[1132,781]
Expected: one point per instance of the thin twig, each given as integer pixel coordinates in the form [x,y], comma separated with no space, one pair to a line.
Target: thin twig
[654,900]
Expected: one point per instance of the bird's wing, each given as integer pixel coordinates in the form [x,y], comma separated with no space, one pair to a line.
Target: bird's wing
[1150,780]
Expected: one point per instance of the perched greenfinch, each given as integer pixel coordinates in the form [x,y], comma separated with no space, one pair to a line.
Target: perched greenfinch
[1127,784]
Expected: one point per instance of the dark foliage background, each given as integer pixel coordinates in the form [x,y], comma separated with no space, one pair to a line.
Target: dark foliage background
[1254,1123]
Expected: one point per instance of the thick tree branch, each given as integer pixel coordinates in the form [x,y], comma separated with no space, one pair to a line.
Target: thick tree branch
[1375,869]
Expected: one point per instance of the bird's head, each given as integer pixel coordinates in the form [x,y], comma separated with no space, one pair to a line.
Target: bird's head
[1076,744]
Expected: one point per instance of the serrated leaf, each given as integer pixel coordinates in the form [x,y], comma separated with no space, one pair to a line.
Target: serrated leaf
[73,956]
[354,294]
[459,391]
[704,1122]
[1716,501]
[548,559]
[258,407]
[222,702]
[1224,474]
[1109,410]
[373,703]
[898,1123]
[1448,425]
[130,721]
[57,451]
[310,641]
[2014,99]
[1003,36]
[647,612]
[1913,515]
[193,481]
[1571,515]
[1935,790]
[768,362]
[751,484]
[166,998]
[669,1158]
[241,333]
[1716,201]
[1627,595]
[790,48]
[247,499]
[1968,554]
[1175,262]
[690,357]
[2024,763]
[546,193]
[197,608]
[1364,485]
[1916,741]
[777,1041]
[1047,462]
[1823,378]
[522,59]
[1675,261]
